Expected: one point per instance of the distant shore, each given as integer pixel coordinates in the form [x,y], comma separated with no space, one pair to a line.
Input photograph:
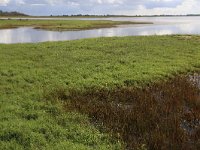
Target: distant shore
[94,16]
[62,25]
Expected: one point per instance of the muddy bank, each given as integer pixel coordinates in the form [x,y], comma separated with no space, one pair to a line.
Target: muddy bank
[160,116]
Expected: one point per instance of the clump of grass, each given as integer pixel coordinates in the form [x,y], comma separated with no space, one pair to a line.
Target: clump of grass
[164,115]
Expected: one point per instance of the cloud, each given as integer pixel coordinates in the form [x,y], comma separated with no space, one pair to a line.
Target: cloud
[185,7]
[124,7]
[108,1]
[4,2]
[163,3]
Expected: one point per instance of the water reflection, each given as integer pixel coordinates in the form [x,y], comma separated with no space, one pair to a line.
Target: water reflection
[26,35]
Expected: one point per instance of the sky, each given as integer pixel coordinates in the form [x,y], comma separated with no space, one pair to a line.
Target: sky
[102,7]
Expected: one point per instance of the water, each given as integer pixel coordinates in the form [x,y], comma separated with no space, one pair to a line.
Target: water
[161,26]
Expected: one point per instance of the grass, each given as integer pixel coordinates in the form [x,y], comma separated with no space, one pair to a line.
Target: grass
[33,75]
[62,24]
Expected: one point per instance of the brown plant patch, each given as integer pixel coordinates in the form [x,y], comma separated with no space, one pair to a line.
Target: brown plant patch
[160,116]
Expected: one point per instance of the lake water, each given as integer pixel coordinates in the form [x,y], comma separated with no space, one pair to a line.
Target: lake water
[161,26]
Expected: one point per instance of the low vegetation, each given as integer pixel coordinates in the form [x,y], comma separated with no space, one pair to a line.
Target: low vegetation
[99,94]
[62,24]
[165,115]
[13,14]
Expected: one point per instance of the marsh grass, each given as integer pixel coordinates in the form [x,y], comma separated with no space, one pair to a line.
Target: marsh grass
[31,76]
[164,115]
[63,24]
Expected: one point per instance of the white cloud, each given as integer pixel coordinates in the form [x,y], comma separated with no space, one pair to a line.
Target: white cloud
[108,1]
[186,7]
[161,0]
[20,2]
[4,2]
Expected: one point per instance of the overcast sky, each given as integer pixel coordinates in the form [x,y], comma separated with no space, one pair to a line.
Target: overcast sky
[123,7]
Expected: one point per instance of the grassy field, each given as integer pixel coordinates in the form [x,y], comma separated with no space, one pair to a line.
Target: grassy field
[32,75]
[62,24]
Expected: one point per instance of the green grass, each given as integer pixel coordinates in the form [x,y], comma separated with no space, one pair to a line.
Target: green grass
[29,72]
[63,24]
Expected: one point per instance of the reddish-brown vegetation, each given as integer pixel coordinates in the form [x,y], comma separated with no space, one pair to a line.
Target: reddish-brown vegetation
[160,116]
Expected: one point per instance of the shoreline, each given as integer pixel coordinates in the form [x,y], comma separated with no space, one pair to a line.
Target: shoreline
[64,25]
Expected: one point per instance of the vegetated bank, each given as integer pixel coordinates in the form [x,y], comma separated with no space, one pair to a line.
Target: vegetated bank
[13,14]
[63,24]
[89,94]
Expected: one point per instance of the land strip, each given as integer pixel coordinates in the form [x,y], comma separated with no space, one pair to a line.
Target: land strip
[63,25]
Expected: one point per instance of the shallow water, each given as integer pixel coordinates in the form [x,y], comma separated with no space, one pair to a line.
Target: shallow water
[161,26]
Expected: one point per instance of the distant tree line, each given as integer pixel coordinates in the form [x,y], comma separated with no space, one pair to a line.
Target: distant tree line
[193,15]
[108,15]
[85,15]
[13,13]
